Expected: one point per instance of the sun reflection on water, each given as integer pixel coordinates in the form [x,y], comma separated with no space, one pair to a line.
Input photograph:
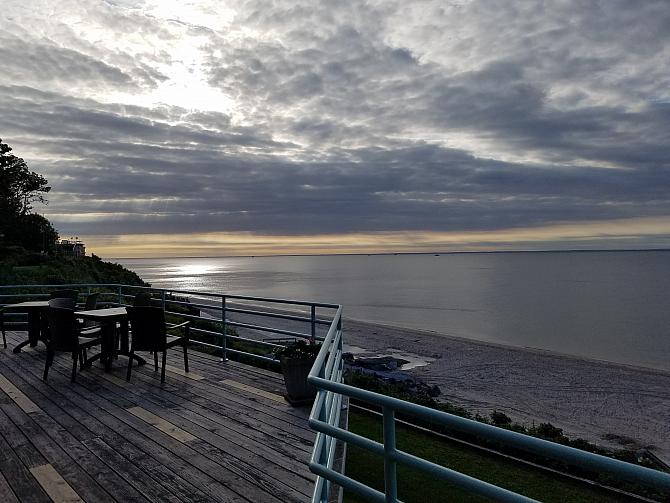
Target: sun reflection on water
[195,269]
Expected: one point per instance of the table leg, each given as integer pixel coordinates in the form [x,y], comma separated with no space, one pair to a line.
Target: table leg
[34,330]
[123,329]
[107,346]
[18,347]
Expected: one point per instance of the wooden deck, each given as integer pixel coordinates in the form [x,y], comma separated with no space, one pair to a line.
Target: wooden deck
[224,433]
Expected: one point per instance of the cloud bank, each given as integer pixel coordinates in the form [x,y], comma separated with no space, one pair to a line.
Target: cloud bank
[355,118]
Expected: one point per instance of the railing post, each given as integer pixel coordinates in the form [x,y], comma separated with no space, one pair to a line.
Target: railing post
[312,340]
[224,337]
[120,295]
[390,479]
[163,299]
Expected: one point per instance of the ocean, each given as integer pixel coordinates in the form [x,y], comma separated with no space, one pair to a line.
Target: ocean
[612,306]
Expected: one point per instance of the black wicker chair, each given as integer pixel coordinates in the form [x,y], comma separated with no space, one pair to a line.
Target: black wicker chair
[65,335]
[2,326]
[150,333]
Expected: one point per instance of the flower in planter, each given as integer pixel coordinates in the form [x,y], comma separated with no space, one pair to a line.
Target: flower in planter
[300,350]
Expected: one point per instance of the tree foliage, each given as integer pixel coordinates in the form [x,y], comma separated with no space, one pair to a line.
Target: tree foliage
[19,189]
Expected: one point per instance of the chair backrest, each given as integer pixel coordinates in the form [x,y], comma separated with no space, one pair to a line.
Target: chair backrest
[63,302]
[64,294]
[147,325]
[142,299]
[62,329]
[91,302]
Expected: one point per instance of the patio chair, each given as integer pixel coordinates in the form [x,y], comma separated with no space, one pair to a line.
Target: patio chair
[142,299]
[90,304]
[65,336]
[150,333]
[2,326]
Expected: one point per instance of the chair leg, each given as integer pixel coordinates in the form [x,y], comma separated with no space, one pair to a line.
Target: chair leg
[130,364]
[155,361]
[2,327]
[185,357]
[75,357]
[163,369]
[47,364]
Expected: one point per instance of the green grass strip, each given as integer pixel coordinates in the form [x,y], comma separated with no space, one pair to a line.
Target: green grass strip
[414,486]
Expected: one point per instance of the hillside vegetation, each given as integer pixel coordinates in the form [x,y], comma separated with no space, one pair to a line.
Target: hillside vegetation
[21,267]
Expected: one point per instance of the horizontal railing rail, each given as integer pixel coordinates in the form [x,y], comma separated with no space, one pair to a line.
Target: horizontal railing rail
[327,376]
[212,321]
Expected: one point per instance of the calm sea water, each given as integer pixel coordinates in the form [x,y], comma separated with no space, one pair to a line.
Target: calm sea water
[606,305]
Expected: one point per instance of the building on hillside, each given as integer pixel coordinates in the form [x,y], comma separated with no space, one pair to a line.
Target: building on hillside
[72,247]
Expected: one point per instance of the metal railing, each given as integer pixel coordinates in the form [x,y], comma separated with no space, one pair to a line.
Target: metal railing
[212,329]
[326,375]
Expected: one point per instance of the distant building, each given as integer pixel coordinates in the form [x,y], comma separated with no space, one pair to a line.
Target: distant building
[72,247]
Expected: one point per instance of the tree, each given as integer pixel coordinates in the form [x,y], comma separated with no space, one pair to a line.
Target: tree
[33,232]
[19,188]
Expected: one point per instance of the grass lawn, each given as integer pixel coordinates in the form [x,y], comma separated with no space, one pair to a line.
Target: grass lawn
[417,487]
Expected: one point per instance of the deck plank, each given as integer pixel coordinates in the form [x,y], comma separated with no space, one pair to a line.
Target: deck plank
[6,493]
[54,485]
[19,478]
[193,439]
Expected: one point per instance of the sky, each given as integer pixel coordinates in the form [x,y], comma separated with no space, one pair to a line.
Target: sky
[205,128]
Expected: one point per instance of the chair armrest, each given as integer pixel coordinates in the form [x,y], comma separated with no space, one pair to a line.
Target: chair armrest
[170,326]
[89,331]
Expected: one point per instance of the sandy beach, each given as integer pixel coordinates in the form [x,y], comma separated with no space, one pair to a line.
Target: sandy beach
[606,403]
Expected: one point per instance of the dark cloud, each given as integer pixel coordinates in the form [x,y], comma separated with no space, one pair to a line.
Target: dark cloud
[356,118]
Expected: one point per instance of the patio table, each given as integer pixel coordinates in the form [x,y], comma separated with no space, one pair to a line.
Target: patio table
[108,319]
[34,308]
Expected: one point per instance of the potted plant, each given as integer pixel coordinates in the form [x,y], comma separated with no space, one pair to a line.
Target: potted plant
[296,360]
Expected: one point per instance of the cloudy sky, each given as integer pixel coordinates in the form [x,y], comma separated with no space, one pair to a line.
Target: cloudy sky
[199,128]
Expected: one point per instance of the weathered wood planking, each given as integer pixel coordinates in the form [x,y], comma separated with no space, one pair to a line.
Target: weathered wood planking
[242,437]
[158,422]
[193,439]
[135,464]
[190,375]
[15,394]
[54,485]
[252,389]
[6,493]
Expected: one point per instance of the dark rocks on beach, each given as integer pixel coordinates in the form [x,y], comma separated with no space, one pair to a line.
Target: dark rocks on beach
[380,363]
[388,369]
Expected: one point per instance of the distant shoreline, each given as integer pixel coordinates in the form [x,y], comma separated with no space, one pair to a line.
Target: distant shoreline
[478,252]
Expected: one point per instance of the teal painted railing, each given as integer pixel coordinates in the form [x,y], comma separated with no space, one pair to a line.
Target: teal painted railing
[221,305]
[326,376]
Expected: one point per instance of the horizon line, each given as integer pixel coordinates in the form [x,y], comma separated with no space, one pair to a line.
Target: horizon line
[460,252]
